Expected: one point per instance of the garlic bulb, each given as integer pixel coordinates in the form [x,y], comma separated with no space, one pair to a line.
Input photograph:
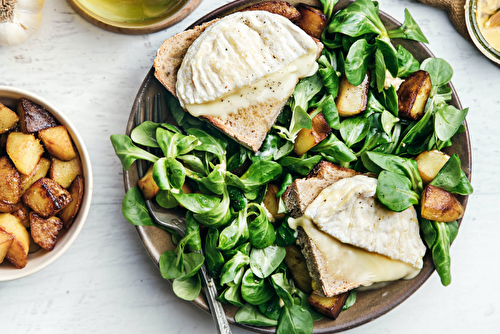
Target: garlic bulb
[18,19]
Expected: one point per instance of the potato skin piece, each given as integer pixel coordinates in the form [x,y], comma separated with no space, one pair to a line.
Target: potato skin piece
[58,142]
[311,20]
[328,306]
[46,197]
[296,263]
[8,119]
[45,231]
[308,138]
[69,213]
[413,94]
[352,100]
[10,182]
[24,150]
[33,116]
[440,205]
[22,213]
[18,250]
[276,7]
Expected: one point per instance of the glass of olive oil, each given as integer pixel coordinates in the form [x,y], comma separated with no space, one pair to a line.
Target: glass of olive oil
[123,15]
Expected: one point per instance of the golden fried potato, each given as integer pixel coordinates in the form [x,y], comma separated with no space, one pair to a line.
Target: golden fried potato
[64,172]
[308,138]
[277,7]
[18,250]
[69,213]
[271,202]
[8,119]
[10,182]
[352,100]
[46,197]
[33,116]
[148,185]
[429,163]
[312,20]
[58,142]
[296,263]
[5,242]
[45,231]
[413,94]
[328,306]
[25,151]
[41,170]
[440,205]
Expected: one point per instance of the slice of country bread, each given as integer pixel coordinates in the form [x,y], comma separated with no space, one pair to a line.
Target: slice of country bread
[248,126]
[317,267]
[302,192]
[297,198]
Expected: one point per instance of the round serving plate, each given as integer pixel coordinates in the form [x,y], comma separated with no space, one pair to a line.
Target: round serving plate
[369,304]
[177,11]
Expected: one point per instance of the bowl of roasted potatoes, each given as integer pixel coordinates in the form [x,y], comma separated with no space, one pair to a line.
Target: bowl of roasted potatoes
[45,182]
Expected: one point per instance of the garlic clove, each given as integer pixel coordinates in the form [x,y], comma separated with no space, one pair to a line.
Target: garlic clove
[33,6]
[28,20]
[12,33]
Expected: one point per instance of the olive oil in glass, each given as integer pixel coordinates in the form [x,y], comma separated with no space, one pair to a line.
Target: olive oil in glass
[133,11]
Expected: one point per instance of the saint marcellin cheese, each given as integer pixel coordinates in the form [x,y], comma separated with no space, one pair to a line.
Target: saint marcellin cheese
[244,59]
[362,241]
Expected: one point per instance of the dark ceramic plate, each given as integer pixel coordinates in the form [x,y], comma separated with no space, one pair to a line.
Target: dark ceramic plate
[370,304]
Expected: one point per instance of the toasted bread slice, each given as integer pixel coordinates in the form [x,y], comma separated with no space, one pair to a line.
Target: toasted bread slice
[318,268]
[302,192]
[248,126]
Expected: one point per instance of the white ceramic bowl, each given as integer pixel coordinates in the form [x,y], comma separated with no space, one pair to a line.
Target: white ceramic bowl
[41,259]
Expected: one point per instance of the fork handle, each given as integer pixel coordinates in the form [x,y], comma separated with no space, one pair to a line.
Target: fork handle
[216,309]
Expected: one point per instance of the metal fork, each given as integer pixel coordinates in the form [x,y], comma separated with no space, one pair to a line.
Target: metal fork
[166,219]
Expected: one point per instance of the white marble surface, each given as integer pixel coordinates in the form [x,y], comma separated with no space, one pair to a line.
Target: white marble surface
[106,283]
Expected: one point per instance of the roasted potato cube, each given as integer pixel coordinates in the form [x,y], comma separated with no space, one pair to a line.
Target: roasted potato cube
[429,163]
[311,20]
[328,306]
[25,151]
[277,7]
[8,119]
[296,263]
[148,185]
[64,172]
[69,213]
[58,142]
[413,94]
[18,250]
[21,212]
[10,182]
[45,231]
[308,138]
[5,242]
[46,197]
[33,116]
[352,100]
[439,205]
[271,202]
[41,170]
